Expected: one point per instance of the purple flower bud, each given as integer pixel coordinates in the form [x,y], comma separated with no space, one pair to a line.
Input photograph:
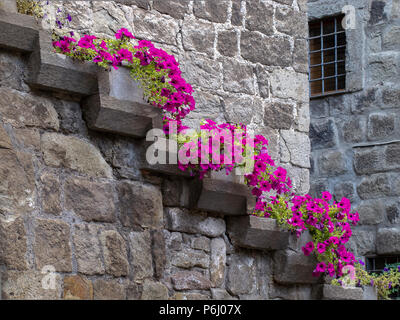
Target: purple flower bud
[69,18]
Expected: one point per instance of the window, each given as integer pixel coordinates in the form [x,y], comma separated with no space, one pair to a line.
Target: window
[327,45]
[377,264]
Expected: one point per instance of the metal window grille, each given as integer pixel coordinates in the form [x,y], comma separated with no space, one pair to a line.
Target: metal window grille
[327,54]
[377,264]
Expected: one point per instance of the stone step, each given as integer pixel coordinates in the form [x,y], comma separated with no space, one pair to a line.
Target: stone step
[19,32]
[119,106]
[331,292]
[222,194]
[293,267]
[59,73]
[257,233]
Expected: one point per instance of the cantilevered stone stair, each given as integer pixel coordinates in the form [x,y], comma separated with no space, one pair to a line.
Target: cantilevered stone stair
[113,103]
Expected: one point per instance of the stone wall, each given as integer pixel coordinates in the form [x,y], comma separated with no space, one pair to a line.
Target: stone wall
[75,202]
[355,136]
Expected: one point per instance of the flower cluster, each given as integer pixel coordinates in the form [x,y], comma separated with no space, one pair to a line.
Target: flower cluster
[158,72]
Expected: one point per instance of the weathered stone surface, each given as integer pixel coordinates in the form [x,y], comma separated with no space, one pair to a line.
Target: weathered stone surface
[227,44]
[390,97]
[362,242]
[189,258]
[17,186]
[291,22]
[5,141]
[332,163]
[87,249]
[317,187]
[198,36]
[331,292]
[238,77]
[215,11]
[299,292]
[298,145]
[201,243]
[73,153]
[19,31]
[302,121]
[353,130]
[51,245]
[189,296]
[218,262]
[158,252]
[176,9]
[289,84]
[344,189]
[108,290]
[369,293]
[155,27]
[237,13]
[279,115]
[190,280]
[392,156]
[254,45]
[81,194]
[371,212]
[119,107]
[300,53]
[319,108]
[202,72]
[70,115]
[262,81]
[259,17]
[140,250]
[221,294]
[21,109]
[115,253]
[31,285]
[241,275]
[374,186]
[243,109]
[368,160]
[140,205]
[183,221]
[77,288]
[390,40]
[51,193]
[322,134]
[292,267]
[380,126]
[388,241]
[154,291]
[13,244]
[28,138]
[12,71]
[300,178]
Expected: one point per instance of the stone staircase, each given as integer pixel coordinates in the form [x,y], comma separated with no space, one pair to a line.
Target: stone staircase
[113,103]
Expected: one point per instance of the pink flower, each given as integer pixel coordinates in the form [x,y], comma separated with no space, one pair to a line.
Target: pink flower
[123,33]
[321,267]
[326,196]
[321,248]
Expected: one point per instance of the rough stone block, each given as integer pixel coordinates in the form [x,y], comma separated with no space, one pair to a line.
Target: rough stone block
[369,160]
[388,241]
[259,17]
[115,253]
[52,247]
[227,43]
[119,107]
[369,293]
[183,221]
[57,72]
[220,193]
[81,194]
[374,186]
[198,36]
[18,31]
[190,280]
[218,262]
[73,153]
[108,290]
[238,77]
[188,258]
[77,288]
[381,126]
[371,212]
[331,292]
[257,233]
[215,11]
[279,115]
[154,291]
[241,275]
[289,84]
[176,9]
[140,205]
[322,134]
[332,163]
[140,251]
[291,267]
[254,45]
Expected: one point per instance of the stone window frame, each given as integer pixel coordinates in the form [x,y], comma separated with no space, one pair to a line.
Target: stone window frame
[355,62]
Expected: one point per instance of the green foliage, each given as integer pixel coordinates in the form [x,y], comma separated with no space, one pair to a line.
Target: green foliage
[30,7]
